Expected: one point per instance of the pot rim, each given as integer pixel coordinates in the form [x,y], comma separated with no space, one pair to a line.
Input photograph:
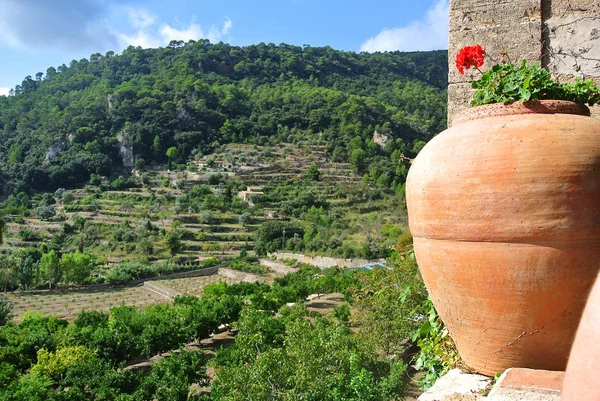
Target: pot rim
[518,108]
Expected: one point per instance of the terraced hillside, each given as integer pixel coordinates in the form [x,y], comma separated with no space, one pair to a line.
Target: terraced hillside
[330,211]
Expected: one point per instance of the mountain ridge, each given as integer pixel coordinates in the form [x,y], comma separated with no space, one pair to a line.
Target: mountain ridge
[89,117]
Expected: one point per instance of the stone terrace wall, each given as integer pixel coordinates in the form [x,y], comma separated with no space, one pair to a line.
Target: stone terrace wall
[207,271]
[563,34]
[322,261]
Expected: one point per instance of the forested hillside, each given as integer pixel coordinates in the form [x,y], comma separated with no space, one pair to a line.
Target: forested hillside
[142,199]
[95,115]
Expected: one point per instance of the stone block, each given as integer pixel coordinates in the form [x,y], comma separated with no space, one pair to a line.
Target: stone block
[527,385]
[574,45]
[512,26]
[523,41]
[563,8]
[456,382]
[478,13]
[459,98]
[540,381]
[596,111]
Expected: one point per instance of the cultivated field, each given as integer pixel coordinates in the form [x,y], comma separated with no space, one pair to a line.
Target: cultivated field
[67,304]
[192,286]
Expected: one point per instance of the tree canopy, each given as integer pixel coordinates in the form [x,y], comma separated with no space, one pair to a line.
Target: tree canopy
[85,118]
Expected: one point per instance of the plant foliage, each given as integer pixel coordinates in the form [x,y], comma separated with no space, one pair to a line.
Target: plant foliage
[506,82]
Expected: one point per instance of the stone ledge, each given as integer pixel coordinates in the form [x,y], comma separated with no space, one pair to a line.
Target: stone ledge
[514,385]
[456,382]
[539,381]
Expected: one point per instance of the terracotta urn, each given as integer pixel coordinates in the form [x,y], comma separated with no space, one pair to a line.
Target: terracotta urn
[581,379]
[504,208]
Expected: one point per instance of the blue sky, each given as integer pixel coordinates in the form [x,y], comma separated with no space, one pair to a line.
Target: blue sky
[37,34]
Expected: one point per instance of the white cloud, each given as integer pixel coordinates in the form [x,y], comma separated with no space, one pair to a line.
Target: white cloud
[140,18]
[140,38]
[168,33]
[147,36]
[89,25]
[60,24]
[227,26]
[429,33]
[4,91]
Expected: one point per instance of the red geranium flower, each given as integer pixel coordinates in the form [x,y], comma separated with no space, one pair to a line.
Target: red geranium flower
[468,56]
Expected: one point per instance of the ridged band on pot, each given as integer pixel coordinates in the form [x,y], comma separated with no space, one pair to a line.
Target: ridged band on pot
[504,208]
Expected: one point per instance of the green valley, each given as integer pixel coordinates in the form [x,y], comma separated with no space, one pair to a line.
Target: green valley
[156,199]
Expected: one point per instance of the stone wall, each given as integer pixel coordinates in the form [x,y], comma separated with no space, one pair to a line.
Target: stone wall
[166,292]
[208,271]
[277,267]
[322,261]
[237,275]
[563,34]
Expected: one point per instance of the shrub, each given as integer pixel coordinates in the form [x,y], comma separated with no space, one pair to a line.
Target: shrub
[124,272]
[6,306]
[437,353]
[54,365]
[399,291]
[118,183]
[342,313]
[28,235]
[95,179]
[173,242]
[45,211]
[77,266]
[146,246]
[286,359]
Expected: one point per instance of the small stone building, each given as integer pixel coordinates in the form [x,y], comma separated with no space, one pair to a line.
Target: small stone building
[249,193]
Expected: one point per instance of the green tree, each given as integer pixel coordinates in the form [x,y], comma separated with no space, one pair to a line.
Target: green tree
[417,146]
[27,272]
[6,306]
[30,387]
[157,145]
[296,359]
[171,378]
[8,270]
[140,164]
[45,211]
[55,365]
[14,154]
[271,236]
[357,159]
[95,179]
[77,266]
[173,242]
[312,173]
[171,153]
[244,219]
[51,268]
[146,246]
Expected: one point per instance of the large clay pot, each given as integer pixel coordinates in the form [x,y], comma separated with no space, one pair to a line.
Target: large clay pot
[583,370]
[504,208]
